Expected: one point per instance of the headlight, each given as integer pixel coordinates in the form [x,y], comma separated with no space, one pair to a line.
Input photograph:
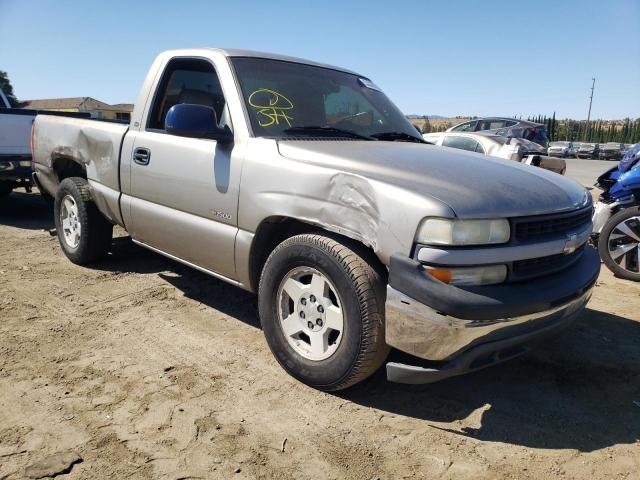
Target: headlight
[446,231]
[487,275]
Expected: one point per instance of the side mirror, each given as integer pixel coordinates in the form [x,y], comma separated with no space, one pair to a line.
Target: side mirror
[195,121]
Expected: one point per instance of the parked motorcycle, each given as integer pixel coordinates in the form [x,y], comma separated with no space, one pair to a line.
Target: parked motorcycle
[616,217]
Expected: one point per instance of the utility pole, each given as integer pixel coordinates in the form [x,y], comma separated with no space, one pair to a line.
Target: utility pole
[593,84]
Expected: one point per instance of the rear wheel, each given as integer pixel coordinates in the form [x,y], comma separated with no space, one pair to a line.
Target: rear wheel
[619,244]
[84,234]
[321,302]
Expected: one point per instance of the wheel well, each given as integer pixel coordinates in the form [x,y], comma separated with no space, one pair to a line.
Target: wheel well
[275,230]
[66,167]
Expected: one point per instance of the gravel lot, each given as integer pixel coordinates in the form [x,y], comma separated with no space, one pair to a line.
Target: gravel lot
[147,369]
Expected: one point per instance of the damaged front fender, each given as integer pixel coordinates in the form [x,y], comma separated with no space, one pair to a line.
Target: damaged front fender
[380,215]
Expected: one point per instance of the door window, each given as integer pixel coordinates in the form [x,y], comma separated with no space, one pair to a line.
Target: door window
[463,143]
[186,81]
[492,124]
[465,127]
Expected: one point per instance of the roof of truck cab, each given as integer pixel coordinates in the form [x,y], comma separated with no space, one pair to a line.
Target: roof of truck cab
[232,52]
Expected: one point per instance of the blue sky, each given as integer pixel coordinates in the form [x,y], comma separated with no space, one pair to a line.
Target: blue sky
[436,57]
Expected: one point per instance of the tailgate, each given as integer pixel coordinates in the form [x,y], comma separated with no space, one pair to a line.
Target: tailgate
[15,130]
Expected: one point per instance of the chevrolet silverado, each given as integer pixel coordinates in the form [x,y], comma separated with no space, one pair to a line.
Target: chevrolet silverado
[302,182]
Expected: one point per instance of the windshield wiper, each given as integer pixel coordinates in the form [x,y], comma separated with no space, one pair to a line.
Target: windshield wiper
[393,136]
[327,131]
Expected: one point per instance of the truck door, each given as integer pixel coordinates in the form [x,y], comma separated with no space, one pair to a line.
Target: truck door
[184,191]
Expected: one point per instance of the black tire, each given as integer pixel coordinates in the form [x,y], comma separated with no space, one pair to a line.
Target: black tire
[5,188]
[361,285]
[95,230]
[604,242]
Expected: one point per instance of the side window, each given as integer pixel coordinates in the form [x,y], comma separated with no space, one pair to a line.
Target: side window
[463,143]
[465,127]
[186,81]
[492,124]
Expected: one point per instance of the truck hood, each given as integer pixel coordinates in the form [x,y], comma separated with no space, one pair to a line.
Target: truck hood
[472,185]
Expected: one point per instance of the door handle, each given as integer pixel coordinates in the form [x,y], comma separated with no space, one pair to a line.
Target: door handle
[142,156]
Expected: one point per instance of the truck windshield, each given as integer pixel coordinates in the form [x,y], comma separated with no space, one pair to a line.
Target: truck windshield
[287,100]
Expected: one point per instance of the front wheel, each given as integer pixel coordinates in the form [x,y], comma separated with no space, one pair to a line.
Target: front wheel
[84,234]
[321,302]
[619,244]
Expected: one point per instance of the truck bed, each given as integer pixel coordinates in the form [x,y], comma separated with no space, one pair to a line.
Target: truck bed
[91,142]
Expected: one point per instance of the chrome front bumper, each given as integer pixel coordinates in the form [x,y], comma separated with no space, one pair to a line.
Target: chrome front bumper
[461,329]
[421,331]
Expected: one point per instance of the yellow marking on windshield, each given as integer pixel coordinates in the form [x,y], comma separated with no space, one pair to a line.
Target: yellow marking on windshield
[272,106]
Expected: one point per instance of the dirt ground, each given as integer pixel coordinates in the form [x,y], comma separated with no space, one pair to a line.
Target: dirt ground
[148,369]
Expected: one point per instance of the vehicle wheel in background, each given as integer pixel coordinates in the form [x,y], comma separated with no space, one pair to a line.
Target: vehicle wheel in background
[321,302]
[5,188]
[84,234]
[619,244]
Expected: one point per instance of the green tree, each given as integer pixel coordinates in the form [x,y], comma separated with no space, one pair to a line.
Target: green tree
[7,89]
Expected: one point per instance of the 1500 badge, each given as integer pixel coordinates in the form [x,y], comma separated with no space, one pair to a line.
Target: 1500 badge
[220,214]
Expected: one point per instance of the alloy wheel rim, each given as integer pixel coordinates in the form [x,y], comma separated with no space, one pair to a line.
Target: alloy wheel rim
[310,313]
[71,228]
[623,244]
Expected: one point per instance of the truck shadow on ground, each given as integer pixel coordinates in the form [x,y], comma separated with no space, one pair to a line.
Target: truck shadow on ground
[126,256]
[26,210]
[576,391]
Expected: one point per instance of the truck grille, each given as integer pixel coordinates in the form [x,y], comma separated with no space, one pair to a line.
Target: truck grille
[536,267]
[533,228]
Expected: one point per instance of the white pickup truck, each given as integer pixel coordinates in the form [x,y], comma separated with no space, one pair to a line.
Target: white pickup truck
[304,183]
[15,153]
[15,150]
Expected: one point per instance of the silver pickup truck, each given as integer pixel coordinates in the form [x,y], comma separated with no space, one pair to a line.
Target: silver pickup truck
[304,183]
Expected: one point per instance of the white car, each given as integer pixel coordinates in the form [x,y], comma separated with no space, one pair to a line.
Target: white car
[517,149]
[563,149]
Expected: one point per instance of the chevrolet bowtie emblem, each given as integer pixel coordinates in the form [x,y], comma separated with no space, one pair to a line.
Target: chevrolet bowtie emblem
[571,243]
